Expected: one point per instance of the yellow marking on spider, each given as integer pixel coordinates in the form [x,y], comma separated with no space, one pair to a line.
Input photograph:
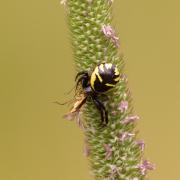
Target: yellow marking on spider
[116,71]
[93,78]
[101,67]
[108,65]
[97,73]
[111,85]
[117,79]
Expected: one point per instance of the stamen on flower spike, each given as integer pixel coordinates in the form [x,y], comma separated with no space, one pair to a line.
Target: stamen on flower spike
[129,119]
[108,151]
[141,145]
[123,106]
[71,116]
[110,33]
[86,150]
[114,172]
[146,165]
[125,135]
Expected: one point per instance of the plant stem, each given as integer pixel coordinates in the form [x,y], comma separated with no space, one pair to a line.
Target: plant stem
[113,151]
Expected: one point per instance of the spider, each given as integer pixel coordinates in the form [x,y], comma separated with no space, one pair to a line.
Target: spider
[104,77]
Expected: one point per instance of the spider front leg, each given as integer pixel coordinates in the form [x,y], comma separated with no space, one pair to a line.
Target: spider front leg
[83,78]
[80,74]
[100,106]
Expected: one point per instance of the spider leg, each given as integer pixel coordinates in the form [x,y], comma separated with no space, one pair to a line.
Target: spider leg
[102,109]
[81,73]
[79,81]
[83,78]
[105,111]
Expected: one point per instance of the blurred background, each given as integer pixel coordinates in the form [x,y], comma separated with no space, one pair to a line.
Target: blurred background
[37,68]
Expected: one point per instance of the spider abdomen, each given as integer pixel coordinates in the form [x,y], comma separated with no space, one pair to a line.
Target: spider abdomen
[104,77]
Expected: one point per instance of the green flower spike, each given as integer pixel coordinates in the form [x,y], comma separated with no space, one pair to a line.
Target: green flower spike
[113,151]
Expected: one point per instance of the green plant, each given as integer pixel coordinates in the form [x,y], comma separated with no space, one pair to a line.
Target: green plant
[113,151]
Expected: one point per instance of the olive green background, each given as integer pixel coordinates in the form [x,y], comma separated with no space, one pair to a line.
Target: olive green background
[37,67]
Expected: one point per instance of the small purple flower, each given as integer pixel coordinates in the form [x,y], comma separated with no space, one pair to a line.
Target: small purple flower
[125,135]
[71,116]
[86,150]
[79,121]
[110,33]
[123,106]
[114,171]
[124,78]
[74,115]
[141,144]
[108,151]
[144,166]
[129,119]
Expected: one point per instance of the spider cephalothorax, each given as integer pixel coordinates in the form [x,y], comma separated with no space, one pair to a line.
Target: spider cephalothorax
[104,77]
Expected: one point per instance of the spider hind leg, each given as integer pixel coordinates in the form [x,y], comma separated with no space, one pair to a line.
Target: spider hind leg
[100,106]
